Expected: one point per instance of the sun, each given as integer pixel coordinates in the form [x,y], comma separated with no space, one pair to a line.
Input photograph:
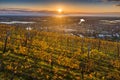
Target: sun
[60,10]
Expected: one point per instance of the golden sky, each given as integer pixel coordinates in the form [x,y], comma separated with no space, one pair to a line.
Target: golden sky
[68,6]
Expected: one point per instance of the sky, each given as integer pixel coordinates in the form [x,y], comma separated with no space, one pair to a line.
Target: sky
[70,6]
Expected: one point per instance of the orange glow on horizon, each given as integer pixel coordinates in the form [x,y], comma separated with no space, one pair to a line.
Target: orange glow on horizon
[68,8]
[60,10]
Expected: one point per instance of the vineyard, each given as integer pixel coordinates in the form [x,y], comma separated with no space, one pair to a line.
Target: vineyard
[41,55]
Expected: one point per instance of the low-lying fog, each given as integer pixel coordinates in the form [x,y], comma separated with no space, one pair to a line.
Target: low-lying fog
[17,22]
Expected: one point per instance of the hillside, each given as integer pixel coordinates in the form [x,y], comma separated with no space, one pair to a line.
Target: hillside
[40,55]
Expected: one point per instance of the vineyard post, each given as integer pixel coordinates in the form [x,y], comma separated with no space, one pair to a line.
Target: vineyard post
[82,49]
[1,65]
[12,77]
[26,37]
[28,34]
[99,45]
[82,72]
[82,64]
[118,50]
[89,45]
[5,43]
[51,63]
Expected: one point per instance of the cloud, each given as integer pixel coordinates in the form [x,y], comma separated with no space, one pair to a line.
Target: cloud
[111,0]
[118,5]
[116,2]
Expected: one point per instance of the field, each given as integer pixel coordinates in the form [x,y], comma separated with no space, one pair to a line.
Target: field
[50,55]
